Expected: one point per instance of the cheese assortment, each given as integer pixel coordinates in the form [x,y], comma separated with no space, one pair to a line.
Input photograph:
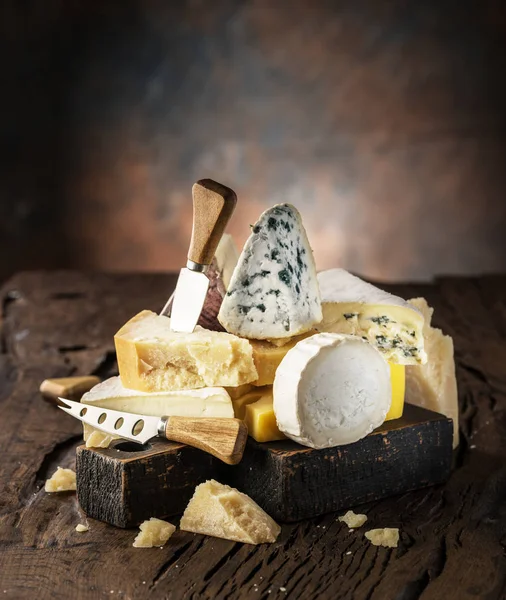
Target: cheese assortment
[388,322]
[331,389]
[153,358]
[322,360]
[273,292]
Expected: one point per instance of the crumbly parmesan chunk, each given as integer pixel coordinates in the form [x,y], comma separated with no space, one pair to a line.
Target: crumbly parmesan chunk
[221,511]
[353,520]
[80,528]
[387,537]
[153,532]
[62,480]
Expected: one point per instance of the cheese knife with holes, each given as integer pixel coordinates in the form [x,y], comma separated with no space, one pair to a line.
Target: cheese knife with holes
[222,437]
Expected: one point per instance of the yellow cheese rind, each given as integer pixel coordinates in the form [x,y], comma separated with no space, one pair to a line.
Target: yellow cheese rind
[398,380]
[260,420]
[434,385]
[152,357]
[62,480]
[221,511]
[153,532]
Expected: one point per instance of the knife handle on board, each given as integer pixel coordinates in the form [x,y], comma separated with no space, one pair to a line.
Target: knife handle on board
[224,438]
[213,205]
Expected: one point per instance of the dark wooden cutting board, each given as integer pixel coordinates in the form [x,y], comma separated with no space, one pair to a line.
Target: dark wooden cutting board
[124,486]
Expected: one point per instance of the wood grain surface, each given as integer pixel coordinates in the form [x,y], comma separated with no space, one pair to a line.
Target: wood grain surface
[453,536]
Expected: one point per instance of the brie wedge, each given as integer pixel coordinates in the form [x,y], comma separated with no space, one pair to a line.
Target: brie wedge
[203,402]
[331,389]
[388,322]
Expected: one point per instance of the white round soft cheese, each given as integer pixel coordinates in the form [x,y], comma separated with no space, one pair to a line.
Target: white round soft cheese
[331,389]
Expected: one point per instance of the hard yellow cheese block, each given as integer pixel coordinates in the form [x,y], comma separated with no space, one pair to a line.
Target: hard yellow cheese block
[261,420]
[250,397]
[153,358]
[267,356]
[398,380]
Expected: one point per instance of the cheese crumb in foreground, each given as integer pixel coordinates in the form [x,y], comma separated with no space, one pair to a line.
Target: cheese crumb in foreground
[221,511]
[353,520]
[62,480]
[387,537]
[82,528]
[153,532]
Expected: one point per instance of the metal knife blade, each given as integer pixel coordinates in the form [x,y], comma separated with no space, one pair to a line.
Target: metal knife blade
[130,426]
[188,301]
[213,205]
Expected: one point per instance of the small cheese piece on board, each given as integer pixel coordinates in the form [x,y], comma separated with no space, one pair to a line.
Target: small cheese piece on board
[62,480]
[353,520]
[273,292]
[388,322]
[153,532]
[268,356]
[398,381]
[261,420]
[331,389]
[434,385]
[80,528]
[387,537]
[203,402]
[71,388]
[153,358]
[222,511]
[219,273]
[250,397]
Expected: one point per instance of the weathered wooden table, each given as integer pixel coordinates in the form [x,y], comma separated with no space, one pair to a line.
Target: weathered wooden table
[453,537]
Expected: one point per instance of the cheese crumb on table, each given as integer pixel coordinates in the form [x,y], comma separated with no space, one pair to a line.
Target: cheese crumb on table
[387,537]
[62,480]
[221,511]
[353,520]
[153,532]
[80,528]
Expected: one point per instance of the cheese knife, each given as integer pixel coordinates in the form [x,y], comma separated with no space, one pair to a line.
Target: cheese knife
[213,205]
[222,437]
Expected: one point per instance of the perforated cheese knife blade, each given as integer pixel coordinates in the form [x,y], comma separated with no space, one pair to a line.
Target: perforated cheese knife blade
[224,438]
[213,205]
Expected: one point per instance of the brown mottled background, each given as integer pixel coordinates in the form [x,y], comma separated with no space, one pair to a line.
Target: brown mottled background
[384,122]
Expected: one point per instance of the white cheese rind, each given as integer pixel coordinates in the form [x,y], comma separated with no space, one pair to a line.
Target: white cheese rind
[434,385]
[273,292]
[331,389]
[202,402]
[388,322]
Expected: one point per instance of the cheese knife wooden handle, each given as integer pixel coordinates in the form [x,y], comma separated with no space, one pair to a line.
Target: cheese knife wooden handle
[224,438]
[213,205]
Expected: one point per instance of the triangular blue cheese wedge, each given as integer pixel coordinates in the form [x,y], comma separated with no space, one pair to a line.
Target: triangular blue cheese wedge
[389,323]
[273,292]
